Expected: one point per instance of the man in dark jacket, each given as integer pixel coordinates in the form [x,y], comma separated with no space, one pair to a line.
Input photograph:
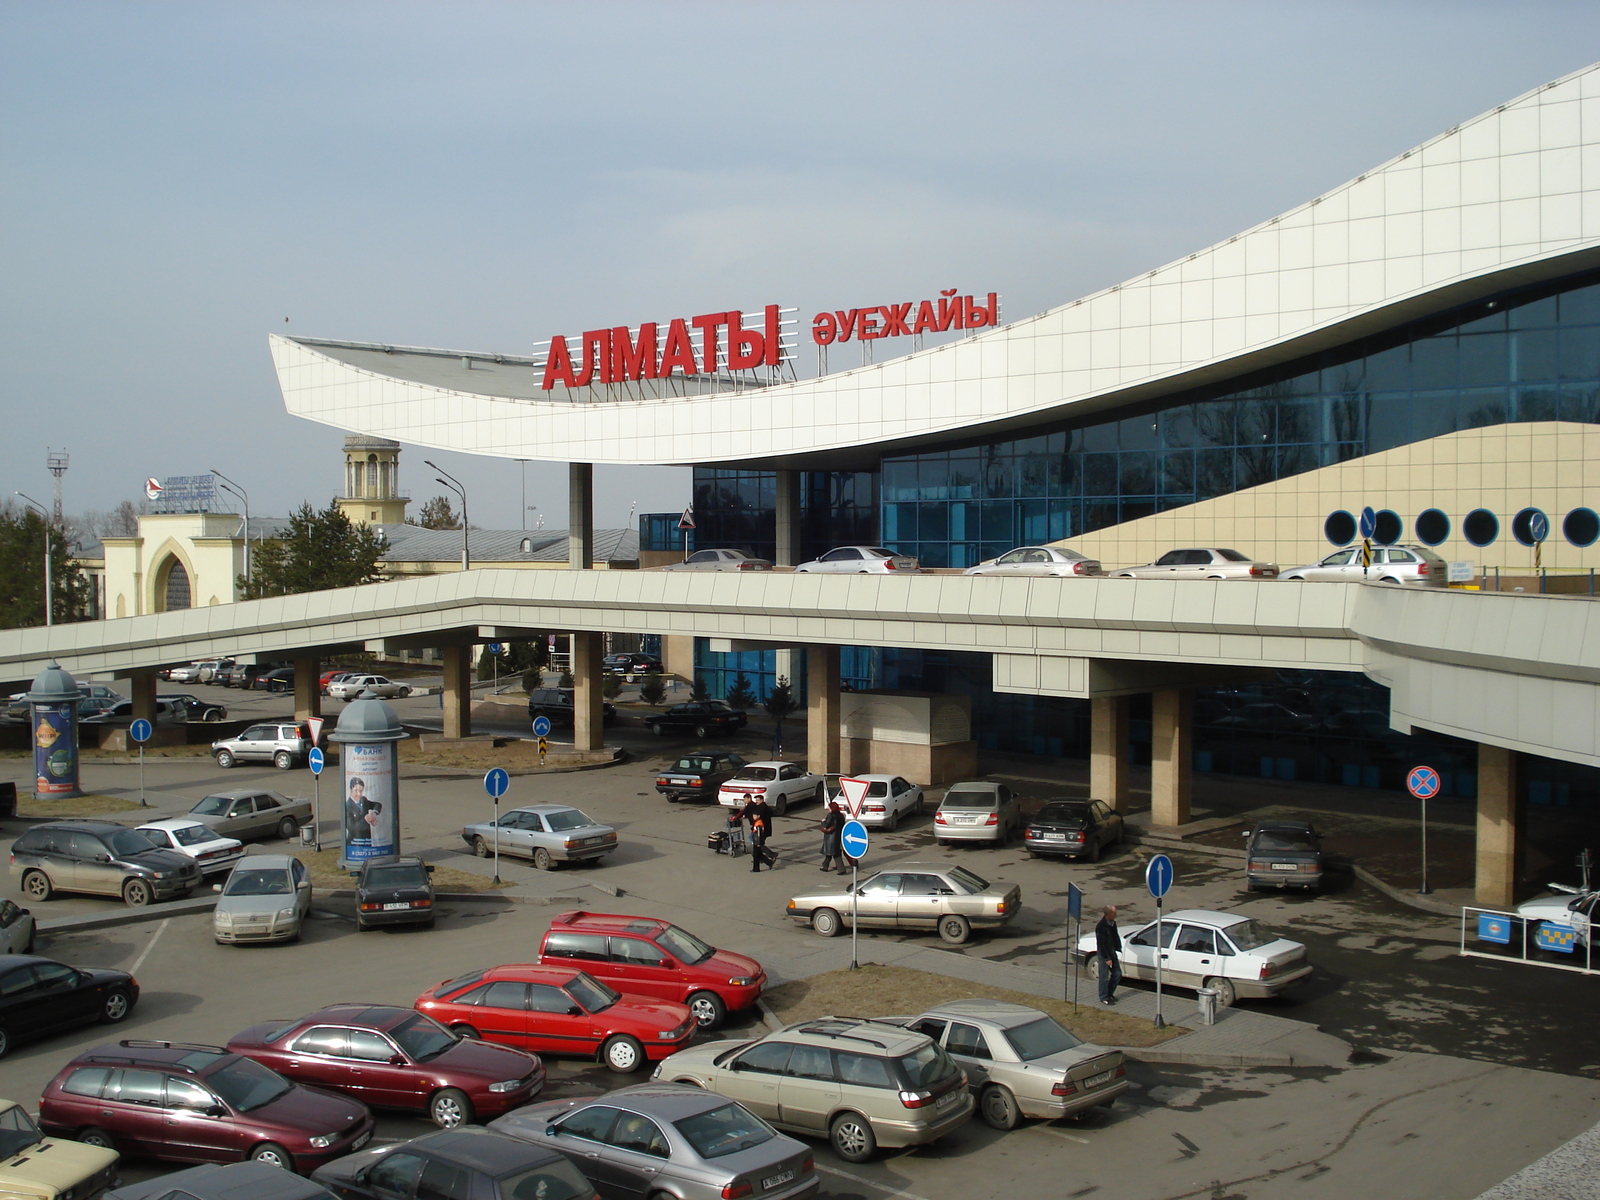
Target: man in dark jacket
[1107,942]
[759,813]
[832,824]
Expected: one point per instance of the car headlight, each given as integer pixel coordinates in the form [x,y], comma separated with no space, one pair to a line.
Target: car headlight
[286,912]
[326,1140]
[741,981]
[505,1085]
[223,918]
[164,874]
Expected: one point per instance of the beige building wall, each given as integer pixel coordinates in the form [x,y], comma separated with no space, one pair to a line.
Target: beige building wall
[137,569]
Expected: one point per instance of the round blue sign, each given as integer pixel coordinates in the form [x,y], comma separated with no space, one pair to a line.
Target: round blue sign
[315,760]
[1423,783]
[495,647]
[1158,876]
[853,838]
[1538,526]
[496,782]
[541,727]
[1369,522]
[140,730]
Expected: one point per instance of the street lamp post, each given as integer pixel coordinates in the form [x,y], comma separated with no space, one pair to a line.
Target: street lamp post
[49,587]
[231,486]
[450,481]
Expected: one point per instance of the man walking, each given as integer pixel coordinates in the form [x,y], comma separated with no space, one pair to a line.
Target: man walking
[1107,943]
[759,813]
[832,826]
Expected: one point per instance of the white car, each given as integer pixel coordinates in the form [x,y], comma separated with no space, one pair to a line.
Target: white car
[188,674]
[861,560]
[1201,948]
[197,840]
[1416,566]
[782,784]
[1038,560]
[720,560]
[888,799]
[1209,563]
[351,687]
[16,928]
[1576,911]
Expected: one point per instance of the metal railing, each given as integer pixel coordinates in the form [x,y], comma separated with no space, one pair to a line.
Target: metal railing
[1510,937]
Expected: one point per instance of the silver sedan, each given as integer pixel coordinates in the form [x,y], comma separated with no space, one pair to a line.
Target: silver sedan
[355,685]
[1415,566]
[546,833]
[861,560]
[1210,563]
[720,560]
[1038,560]
[666,1139]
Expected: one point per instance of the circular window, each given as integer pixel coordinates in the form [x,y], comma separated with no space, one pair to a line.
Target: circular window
[1522,526]
[1581,527]
[1388,528]
[1432,527]
[1340,528]
[1480,527]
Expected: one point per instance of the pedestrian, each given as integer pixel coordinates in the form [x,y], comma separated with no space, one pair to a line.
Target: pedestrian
[759,813]
[1107,945]
[832,849]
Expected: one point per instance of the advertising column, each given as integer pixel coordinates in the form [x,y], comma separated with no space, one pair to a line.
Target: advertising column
[54,733]
[368,735]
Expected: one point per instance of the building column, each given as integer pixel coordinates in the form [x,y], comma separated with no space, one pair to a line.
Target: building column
[457,696]
[588,704]
[1171,755]
[1497,827]
[822,709]
[580,516]
[142,686]
[1108,751]
[788,519]
[307,693]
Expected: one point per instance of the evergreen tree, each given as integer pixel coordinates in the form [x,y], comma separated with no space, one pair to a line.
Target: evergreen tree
[741,695]
[780,703]
[22,548]
[697,690]
[652,689]
[437,514]
[321,549]
[611,685]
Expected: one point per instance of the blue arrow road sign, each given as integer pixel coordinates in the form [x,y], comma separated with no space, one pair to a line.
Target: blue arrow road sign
[1423,783]
[496,782]
[1158,876]
[1369,522]
[853,837]
[541,727]
[495,647]
[314,760]
[1538,526]
[140,730]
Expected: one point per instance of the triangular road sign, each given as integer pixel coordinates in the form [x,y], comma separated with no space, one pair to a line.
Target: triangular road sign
[687,520]
[315,725]
[854,792]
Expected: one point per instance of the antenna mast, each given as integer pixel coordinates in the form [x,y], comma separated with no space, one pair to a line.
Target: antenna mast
[57,462]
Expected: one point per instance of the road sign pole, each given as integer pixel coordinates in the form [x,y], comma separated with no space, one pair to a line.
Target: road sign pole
[1160,1020]
[497,841]
[1158,877]
[855,925]
[143,803]
[1072,954]
[1424,889]
[1423,782]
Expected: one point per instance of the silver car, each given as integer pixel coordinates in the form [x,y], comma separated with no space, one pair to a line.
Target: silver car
[246,813]
[16,928]
[977,811]
[199,841]
[282,745]
[668,1140]
[912,895]
[1209,563]
[1415,566]
[720,560]
[264,900]
[1038,560]
[1021,1063]
[861,560]
[353,686]
[546,833]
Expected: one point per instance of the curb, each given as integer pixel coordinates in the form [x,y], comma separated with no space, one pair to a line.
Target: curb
[1401,896]
[450,773]
[770,1017]
[1200,1058]
[131,916]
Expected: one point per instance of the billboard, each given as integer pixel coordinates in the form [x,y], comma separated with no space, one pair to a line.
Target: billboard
[370,825]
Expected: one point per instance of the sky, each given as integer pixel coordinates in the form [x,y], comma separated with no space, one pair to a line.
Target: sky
[180,180]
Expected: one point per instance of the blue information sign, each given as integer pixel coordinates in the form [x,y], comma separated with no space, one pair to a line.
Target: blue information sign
[1494,928]
[1538,526]
[315,760]
[1074,901]
[1563,939]
[1369,522]
[140,730]
[1423,783]
[496,782]
[1158,876]
[495,647]
[853,837]
[541,727]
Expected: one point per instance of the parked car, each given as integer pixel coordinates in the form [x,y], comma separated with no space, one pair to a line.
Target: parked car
[860,1084]
[559,1010]
[977,811]
[283,745]
[39,996]
[862,560]
[99,858]
[557,704]
[466,1163]
[1415,566]
[698,776]
[394,891]
[241,675]
[1283,854]
[41,1168]
[545,833]
[631,666]
[199,672]
[196,1103]
[389,1057]
[97,698]
[277,679]
[662,1139]
[889,800]
[247,813]
[331,677]
[1579,912]
[352,686]
[197,840]
[705,718]
[720,560]
[121,713]
[646,956]
[1038,560]
[265,899]
[780,783]
[228,1181]
[1073,829]
[1234,955]
[912,895]
[1202,564]
[185,707]
[16,928]
[190,673]
[1021,1063]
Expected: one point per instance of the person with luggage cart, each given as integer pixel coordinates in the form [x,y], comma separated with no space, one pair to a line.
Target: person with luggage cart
[759,813]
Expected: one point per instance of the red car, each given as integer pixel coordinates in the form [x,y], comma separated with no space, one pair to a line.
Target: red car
[201,1104]
[560,1010]
[647,956]
[395,1058]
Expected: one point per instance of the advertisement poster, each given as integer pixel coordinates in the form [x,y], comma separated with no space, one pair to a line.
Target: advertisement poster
[55,749]
[371,825]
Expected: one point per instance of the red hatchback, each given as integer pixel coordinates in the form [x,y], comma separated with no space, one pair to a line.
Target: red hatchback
[647,956]
[395,1058]
[560,1010]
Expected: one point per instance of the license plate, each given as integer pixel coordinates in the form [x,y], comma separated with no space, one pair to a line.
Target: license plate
[679,782]
[778,1180]
[393,907]
[1095,1081]
[1285,867]
[1055,837]
[362,1140]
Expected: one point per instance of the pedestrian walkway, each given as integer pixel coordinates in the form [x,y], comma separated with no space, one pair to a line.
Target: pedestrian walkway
[1568,1172]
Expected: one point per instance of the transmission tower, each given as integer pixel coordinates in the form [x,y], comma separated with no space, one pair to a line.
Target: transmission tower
[57,462]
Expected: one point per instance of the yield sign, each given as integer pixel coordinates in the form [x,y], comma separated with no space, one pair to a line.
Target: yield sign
[855,794]
[315,725]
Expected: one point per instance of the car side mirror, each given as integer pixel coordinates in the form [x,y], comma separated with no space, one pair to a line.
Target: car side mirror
[396,1060]
[215,1110]
[552,1131]
[102,858]
[1245,835]
[216,887]
[574,1010]
[430,868]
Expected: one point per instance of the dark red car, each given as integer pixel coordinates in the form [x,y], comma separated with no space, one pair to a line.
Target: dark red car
[396,1058]
[560,1010]
[192,1103]
[646,956]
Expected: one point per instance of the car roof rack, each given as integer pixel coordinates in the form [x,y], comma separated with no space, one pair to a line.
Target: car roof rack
[817,1026]
[150,1044]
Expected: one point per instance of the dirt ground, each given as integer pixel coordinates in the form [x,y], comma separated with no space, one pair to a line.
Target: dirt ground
[92,805]
[325,873]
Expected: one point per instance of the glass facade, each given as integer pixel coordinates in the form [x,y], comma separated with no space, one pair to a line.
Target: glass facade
[737,510]
[659,531]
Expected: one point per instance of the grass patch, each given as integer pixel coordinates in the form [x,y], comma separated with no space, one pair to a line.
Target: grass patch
[480,756]
[326,874]
[94,804]
[884,991]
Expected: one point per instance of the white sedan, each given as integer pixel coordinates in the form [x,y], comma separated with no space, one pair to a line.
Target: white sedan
[1199,948]
[1209,563]
[780,783]
[197,840]
[861,560]
[720,560]
[1038,560]
[350,688]
[1576,911]
[888,799]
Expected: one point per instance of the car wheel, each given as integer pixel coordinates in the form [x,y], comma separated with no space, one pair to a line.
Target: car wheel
[1226,994]
[826,922]
[93,1135]
[655,728]
[1094,854]
[817,796]
[892,823]
[363,927]
[702,731]
[450,1107]
[955,929]
[851,1134]
[781,808]
[481,847]
[998,1107]
[288,828]
[622,1054]
[467,1031]
[283,760]
[402,693]
[542,859]
[273,1155]
[708,1009]
[118,1004]
[225,759]
[136,893]
[32,937]
[37,885]
[212,714]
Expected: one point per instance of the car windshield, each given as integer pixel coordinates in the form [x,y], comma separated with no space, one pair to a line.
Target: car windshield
[725,1130]
[969,799]
[193,835]
[965,878]
[212,806]
[683,945]
[408,875]
[1040,1039]
[259,881]
[566,818]
[423,1038]
[1285,839]
[1232,556]
[591,993]
[554,1180]
[17,1131]
[127,841]
[758,774]
[1061,814]
[1247,935]
[927,1067]
[245,1085]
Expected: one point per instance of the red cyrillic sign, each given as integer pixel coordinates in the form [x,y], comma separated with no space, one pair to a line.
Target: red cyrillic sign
[618,355]
[950,311]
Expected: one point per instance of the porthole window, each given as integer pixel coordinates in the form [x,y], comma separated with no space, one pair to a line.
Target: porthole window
[1480,527]
[1522,526]
[1432,527]
[1388,528]
[1582,527]
[1339,528]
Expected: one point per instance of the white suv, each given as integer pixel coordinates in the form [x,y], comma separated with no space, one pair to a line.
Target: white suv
[781,783]
[281,745]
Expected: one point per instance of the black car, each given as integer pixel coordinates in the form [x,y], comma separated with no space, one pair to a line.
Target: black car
[465,1163]
[1073,829]
[698,775]
[99,857]
[246,1180]
[280,679]
[185,707]
[557,704]
[40,996]
[394,891]
[631,665]
[701,717]
[1283,854]
[239,675]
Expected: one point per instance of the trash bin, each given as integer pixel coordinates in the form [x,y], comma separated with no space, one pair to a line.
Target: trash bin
[308,834]
[8,799]
[1208,1006]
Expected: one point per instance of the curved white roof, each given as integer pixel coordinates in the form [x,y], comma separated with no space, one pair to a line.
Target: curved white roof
[1510,197]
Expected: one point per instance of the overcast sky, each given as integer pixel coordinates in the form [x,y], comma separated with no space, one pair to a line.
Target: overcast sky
[177,179]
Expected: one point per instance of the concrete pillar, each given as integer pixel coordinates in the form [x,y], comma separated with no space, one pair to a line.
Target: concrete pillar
[788,519]
[1108,751]
[588,711]
[580,516]
[1497,827]
[457,691]
[822,709]
[1171,755]
[142,687]
[307,695]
